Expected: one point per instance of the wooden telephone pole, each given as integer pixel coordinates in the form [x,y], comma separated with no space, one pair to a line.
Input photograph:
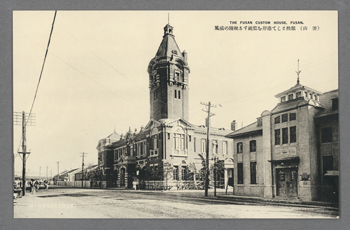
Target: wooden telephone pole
[208,106]
[27,120]
[82,171]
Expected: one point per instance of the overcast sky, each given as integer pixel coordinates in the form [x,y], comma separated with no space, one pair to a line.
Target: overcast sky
[95,76]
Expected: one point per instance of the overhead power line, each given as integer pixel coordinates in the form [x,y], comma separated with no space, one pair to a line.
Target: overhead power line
[42,68]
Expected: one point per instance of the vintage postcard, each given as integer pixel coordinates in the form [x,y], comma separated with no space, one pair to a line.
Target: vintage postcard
[176,114]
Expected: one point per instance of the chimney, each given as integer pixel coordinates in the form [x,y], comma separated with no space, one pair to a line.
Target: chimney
[233,125]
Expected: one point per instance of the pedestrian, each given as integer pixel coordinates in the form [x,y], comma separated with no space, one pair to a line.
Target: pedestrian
[46,184]
[32,187]
[90,183]
[36,186]
[134,184]
[100,184]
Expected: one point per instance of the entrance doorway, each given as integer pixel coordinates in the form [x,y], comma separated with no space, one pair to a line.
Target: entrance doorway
[287,185]
[122,177]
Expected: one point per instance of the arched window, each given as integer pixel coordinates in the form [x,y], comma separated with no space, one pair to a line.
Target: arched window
[239,147]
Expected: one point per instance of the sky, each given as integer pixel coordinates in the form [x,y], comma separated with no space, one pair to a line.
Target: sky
[95,76]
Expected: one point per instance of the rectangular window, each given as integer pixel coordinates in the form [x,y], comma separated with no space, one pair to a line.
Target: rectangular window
[315,97]
[277,120]
[252,146]
[310,96]
[292,116]
[290,97]
[335,104]
[327,163]
[145,147]
[285,136]
[253,172]
[194,144]
[224,147]
[168,136]
[326,135]
[176,173]
[298,94]
[182,141]
[239,147]
[215,147]
[175,93]
[285,117]
[293,134]
[179,94]
[283,99]
[277,137]
[184,173]
[189,138]
[155,142]
[203,145]
[240,173]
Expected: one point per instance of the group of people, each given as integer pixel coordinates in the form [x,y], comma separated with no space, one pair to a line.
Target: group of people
[34,186]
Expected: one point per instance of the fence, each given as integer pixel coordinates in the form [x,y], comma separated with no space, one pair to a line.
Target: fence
[73,183]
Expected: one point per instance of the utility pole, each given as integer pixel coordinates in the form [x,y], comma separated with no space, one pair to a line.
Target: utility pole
[82,169]
[27,119]
[58,171]
[208,106]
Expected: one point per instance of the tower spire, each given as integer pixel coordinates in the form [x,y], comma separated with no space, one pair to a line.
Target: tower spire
[298,73]
[168,19]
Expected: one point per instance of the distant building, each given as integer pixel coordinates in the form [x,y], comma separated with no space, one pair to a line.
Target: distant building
[291,151]
[169,150]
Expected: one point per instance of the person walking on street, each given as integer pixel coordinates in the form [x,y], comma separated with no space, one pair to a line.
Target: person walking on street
[46,184]
[32,187]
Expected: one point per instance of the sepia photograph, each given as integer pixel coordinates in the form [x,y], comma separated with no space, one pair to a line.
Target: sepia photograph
[176,114]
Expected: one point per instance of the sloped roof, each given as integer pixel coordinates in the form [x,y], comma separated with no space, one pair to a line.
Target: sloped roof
[168,122]
[168,47]
[292,104]
[213,131]
[245,130]
[298,87]
[114,135]
[326,101]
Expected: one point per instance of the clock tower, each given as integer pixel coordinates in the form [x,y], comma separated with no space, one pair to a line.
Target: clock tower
[168,80]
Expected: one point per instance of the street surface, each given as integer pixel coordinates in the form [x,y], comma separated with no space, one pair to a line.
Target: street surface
[107,203]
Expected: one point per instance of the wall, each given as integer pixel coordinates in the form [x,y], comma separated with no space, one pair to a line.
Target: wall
[248,189]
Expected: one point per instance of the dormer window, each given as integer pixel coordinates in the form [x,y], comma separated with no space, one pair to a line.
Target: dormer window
[315,97]
[283,99]
[290,97]
[298,94]
[311,96]
[306,95]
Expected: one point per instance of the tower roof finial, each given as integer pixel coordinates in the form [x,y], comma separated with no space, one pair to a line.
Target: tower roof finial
[168,19]
[298,73]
